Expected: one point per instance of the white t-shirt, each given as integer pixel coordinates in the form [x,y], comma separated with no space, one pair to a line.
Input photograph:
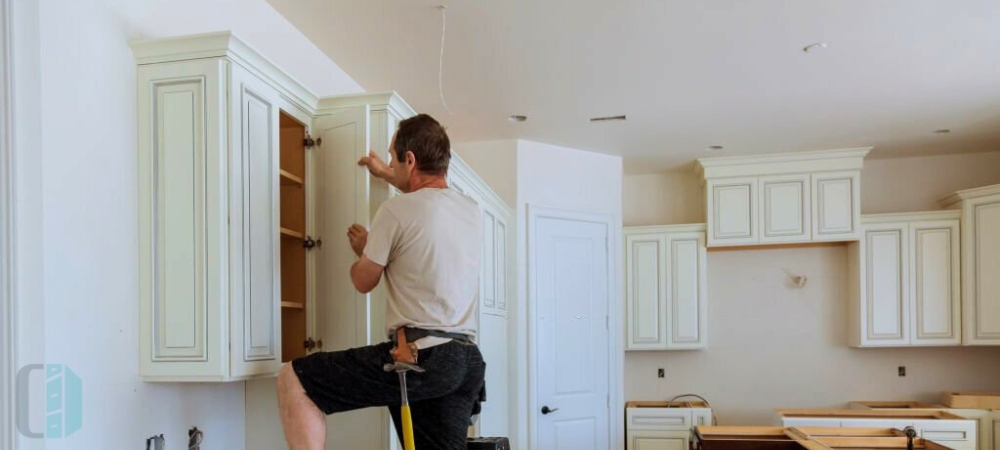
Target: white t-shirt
[431,246]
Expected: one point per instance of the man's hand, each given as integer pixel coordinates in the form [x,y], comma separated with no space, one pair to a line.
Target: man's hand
[358,236]
[376,166]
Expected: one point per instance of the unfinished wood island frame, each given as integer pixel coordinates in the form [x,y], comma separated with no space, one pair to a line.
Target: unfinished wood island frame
[805,438]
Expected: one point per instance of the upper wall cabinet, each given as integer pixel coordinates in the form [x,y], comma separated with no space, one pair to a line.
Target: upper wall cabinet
[783,198]
[665,287]
[980,263]
[208,218]
[904,281]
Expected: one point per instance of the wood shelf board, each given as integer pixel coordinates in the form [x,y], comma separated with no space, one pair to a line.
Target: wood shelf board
[292,233]
[293,305]
[290,179]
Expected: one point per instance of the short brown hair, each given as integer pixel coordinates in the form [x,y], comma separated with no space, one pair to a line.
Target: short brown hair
[426,138]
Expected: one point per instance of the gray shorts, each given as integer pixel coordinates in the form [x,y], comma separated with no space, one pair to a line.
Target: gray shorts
[442,399]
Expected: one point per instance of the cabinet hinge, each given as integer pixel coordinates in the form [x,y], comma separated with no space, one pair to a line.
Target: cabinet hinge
[607,322]
[309,243]
[609,401]
[310,143]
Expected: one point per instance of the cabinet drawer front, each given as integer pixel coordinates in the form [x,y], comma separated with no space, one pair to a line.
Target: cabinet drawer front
[946,435]
[659,419]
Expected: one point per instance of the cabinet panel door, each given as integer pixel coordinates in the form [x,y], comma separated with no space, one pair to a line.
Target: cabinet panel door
[886,307]
[836,206]
[489,268]
[785,209]
[254,216]
[935,277]
[732,211]
[501,265]
[982,271]
[182,229]
[646,286]
[686,296]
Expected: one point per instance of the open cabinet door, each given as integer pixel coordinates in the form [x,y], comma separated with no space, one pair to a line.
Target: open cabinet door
[341,197]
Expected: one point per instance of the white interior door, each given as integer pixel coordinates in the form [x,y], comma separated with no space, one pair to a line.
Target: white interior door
[569,293]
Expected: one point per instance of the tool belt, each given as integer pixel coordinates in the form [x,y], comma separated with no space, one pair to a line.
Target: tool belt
[412,334]
[408,351]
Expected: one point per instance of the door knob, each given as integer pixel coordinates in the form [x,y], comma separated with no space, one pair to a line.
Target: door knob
[547,410]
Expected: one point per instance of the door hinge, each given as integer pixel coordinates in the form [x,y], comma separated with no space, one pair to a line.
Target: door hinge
[309,243]
[310,143]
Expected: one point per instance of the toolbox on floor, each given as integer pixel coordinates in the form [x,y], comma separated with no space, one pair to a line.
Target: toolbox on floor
[489,443]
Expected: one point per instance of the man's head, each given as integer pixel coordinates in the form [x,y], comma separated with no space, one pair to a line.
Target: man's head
[419,148]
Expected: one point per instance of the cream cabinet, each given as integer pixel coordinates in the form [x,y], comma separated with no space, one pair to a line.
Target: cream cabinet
[208,222]
[666,290]
[905,281]
[980,263]
[783,198]
[650,427]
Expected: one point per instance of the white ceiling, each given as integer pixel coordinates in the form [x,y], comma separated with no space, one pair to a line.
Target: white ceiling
[687,73]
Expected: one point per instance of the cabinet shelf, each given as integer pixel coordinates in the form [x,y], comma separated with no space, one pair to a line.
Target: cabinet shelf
[286,232]
[290,179]
[293,305]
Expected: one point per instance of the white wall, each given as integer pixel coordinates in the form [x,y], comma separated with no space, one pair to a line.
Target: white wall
[76,205]
[495,162]
[916,184]
[771,345]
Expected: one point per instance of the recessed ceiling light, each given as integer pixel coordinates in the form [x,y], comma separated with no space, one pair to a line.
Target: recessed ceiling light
[816,46]
[942,131]
[517,118]
[607,118]
[713,148]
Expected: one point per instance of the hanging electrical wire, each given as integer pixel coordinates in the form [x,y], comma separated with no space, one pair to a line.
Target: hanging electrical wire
[444,21]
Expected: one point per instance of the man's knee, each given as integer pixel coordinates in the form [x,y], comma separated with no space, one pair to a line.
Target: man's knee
[288,381]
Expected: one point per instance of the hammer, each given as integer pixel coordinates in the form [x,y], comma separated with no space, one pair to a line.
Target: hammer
[401,368]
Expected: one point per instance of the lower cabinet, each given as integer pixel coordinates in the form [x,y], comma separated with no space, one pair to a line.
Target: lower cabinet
[955,434]
[655,427]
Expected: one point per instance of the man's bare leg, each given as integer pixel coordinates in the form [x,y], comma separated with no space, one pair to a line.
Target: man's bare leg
[304,423]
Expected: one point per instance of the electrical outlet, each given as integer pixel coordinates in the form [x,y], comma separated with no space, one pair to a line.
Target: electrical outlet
[902,371]
[659,373]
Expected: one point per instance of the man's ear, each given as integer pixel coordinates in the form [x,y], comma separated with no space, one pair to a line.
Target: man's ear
[411,158]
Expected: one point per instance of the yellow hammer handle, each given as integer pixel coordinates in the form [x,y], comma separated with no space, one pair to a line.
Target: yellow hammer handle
[407,429]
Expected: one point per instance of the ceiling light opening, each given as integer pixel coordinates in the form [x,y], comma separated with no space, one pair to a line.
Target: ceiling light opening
[812,47]
[713,148]
[607,118]
[517,118]
[942,131]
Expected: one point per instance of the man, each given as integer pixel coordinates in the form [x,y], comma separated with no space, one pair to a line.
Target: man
[427,243]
